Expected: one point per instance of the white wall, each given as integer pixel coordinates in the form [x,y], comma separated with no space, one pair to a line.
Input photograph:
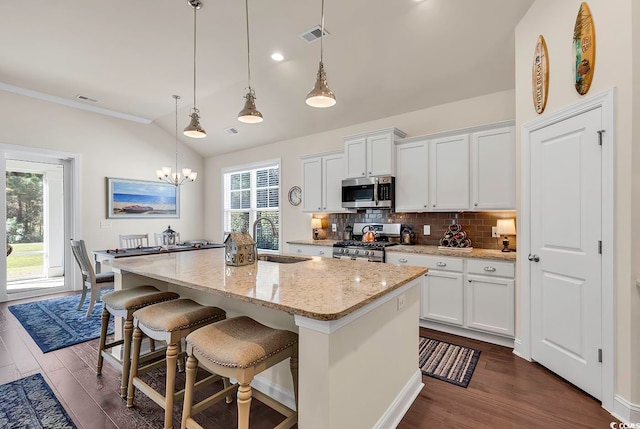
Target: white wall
[613,18]
[109,147]
[297,225]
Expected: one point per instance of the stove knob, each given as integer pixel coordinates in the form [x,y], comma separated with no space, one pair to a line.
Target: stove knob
[355,252]
[346,251]
[366,253]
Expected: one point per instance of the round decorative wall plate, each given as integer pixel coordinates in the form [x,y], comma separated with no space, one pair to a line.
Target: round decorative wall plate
[295,195]
[540,75]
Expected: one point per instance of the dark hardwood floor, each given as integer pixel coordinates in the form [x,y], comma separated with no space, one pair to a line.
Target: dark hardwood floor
[505,391]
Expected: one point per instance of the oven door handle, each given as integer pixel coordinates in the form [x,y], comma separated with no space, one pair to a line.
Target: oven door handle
[375,191]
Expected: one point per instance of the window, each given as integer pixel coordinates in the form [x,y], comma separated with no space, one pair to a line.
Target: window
[250,194]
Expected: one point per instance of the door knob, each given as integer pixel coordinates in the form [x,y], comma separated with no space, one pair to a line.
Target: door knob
[534,258]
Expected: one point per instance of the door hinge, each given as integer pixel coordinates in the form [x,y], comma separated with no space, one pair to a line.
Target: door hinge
[600,133]
[600,355]
[600,247]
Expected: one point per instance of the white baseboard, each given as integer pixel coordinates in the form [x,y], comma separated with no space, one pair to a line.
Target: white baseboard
[517,349]
[469,333]
[399,407]
[274,391]
[625,411]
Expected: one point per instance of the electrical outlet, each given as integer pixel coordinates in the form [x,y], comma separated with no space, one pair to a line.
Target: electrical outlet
[105,224]
[494,232]
[426,230]
[334,227]
[402,300]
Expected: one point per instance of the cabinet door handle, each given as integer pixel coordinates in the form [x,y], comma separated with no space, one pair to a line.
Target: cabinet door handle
[434,205]
[489,269]
[299,250]
[363,173]
[322,252]
[470,281]
[402,260]
[425,206]
[319,208]
[324,208]
[475,204]
[441,264]
[369,172]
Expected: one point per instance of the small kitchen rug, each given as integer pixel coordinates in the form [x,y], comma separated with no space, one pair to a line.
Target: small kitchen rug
[30,403]
[447,362]
[55,323]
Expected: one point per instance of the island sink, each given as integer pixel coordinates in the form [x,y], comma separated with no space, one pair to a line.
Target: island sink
[282,259]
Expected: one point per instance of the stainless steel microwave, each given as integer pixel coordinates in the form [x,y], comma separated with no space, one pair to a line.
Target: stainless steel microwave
[369,193]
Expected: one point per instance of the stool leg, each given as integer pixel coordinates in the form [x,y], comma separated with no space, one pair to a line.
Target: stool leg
[244,405]
[192,368]
[294,372]
[126,357]
[226,383]
[172,354]
[103,339]
[137,341]
[181,361]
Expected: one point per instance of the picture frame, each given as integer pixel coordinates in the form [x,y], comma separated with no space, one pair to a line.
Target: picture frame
[141,199]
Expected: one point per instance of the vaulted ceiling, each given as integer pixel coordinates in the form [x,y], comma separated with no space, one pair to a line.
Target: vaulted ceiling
[382,58]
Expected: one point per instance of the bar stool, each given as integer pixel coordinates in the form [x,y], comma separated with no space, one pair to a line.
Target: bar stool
[169,322]
[239,348]
[122,303]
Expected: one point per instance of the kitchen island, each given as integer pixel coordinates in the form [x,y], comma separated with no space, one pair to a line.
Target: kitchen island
[358,327]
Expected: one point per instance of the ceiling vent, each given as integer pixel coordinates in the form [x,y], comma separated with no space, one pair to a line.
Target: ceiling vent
[85,98]
[313,34]
[231,131]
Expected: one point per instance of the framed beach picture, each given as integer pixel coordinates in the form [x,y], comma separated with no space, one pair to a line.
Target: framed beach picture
[142,199]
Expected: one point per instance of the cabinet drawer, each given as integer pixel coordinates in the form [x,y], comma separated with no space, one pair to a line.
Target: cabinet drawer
[440,263]
[300,249]
[487,267]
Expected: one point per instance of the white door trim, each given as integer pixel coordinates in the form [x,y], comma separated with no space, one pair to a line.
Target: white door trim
[605,101]
[72,195]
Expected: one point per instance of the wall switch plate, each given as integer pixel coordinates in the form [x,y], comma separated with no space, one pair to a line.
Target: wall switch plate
[494,232]
[402,300]
[426,230]
[334,227]
[105,224]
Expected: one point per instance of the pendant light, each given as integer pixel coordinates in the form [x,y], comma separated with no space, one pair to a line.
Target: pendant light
[194,129]
[165,174]
[321,96]
[249,114]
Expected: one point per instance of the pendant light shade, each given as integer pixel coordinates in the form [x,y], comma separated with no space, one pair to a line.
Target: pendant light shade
[165,173]
[249,114]
[194,129]
[321,96]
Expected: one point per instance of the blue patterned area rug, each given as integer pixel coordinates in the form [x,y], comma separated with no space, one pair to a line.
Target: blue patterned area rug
[447,362]
[55,323]
[30,403]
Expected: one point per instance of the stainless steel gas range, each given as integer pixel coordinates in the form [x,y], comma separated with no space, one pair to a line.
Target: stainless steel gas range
[387,234]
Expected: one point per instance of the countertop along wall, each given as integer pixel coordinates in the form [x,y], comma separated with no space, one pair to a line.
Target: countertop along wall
[614,68]
[482,110]
[109,147]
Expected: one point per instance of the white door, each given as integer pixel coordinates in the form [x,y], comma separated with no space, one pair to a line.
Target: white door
[493,169]
[355,158]
[312,185]
[443,297]
[449,173]
[380,160]
[333,169]
[412,177]
[565,259]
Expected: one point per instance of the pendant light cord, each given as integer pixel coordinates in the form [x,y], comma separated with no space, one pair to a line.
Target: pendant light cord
[246,3]
[176,97]
[321,31]
[195,11]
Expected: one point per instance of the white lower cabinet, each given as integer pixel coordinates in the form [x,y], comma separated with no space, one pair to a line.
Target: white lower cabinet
[443,297]
[311,250]
[475,294]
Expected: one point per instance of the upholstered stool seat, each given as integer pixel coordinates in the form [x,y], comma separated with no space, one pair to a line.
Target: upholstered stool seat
[123,303]
[239,348]
[169,322]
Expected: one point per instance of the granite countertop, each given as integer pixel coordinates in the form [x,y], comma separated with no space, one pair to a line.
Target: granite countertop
[318,288]
[433,250]
[314,242]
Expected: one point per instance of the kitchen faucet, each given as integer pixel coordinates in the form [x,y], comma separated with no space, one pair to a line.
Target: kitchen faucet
[255,231]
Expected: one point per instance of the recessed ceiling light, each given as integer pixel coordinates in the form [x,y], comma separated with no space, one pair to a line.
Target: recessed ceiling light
[277,56]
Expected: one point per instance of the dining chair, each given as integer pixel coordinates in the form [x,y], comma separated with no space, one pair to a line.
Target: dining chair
[130,241]
[90,280]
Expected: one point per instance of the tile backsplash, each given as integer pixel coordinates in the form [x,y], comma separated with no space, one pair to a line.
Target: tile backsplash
[476,224]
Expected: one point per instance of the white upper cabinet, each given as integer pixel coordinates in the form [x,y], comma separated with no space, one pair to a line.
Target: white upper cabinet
[493,169]
[371,154]
[412,177]
[449,172]
[322,183]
